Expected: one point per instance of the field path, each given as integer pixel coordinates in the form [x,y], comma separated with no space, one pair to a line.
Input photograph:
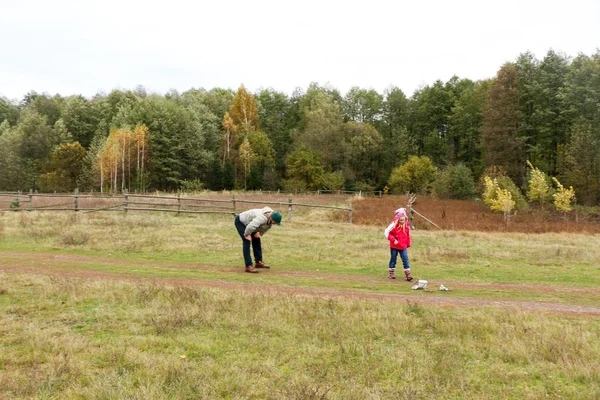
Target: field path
[82,267]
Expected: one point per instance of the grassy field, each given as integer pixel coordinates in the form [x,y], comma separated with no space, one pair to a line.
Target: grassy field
[157,306]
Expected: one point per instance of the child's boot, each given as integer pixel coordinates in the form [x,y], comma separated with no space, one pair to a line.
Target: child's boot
[408,275]
[392,273]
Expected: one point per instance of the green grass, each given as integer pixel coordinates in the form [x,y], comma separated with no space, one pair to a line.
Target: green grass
[108,306]
[73,338]
[317,254]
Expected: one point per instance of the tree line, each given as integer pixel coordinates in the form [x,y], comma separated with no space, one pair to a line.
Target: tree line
[445,138]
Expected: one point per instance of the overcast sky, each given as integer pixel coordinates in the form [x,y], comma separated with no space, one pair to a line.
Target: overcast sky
[86,47]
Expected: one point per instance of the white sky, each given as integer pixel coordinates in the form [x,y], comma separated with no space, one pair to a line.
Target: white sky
[86,47]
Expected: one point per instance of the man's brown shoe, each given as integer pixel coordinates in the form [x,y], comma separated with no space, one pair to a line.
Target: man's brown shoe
[261,264]
[251,269]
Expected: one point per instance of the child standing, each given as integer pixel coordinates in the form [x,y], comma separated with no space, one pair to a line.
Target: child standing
[399,237]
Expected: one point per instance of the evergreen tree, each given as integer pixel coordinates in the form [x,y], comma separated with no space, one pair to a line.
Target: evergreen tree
[215,178]
[502,145]
[228,176]
[581,162]
[549,116]
[254,181]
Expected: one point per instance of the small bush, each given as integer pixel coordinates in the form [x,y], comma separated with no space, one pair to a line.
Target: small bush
[294,185]
[498,199]
[362,186]
[502,182]
[540,188]
[192,186]
[15,204]
[563,197]
[455,182]
[505,183]
[333,180]
[416,176]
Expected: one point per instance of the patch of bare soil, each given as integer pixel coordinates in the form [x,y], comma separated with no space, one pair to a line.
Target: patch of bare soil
[47,264]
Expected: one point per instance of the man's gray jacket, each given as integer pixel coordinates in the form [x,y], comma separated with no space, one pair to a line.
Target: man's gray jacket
[256,220]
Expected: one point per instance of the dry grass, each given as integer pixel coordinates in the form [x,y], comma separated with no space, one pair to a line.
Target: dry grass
[448,214]
[212,202]
[72,338]
[462,215]
[313,241]
[83,338]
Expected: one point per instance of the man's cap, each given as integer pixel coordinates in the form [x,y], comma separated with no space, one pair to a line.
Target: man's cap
[276,217]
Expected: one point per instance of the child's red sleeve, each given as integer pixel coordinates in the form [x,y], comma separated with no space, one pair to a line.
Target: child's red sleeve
[391,236]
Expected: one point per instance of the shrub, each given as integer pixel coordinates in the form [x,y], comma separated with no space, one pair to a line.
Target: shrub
[539,189]
[415,176]
[498,199]
[15,204]
[455,182]
[294,186]
[333,180]
[505,183]
[193,185]
[54,181]
[563,197]
[362,187]
[503,202]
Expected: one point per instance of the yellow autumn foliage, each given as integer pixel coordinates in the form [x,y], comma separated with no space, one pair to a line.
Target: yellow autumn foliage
[563,197]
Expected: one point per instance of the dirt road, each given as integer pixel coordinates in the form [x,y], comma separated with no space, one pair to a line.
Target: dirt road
[81,267]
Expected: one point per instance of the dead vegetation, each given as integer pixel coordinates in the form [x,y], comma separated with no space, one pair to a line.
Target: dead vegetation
[472,215]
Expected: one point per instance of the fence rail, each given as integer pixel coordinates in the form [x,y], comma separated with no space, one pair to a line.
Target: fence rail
[17,201]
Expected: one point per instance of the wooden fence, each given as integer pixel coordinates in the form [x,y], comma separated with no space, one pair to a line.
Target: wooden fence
[18,201]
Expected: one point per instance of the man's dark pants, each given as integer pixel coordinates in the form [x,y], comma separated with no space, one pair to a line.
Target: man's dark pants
[256,247]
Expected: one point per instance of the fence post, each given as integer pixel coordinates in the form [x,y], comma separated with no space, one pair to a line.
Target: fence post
[289,209]
[233,201]
[30,200]
[178,203]
[350,214]
[126,202]
[76,199]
